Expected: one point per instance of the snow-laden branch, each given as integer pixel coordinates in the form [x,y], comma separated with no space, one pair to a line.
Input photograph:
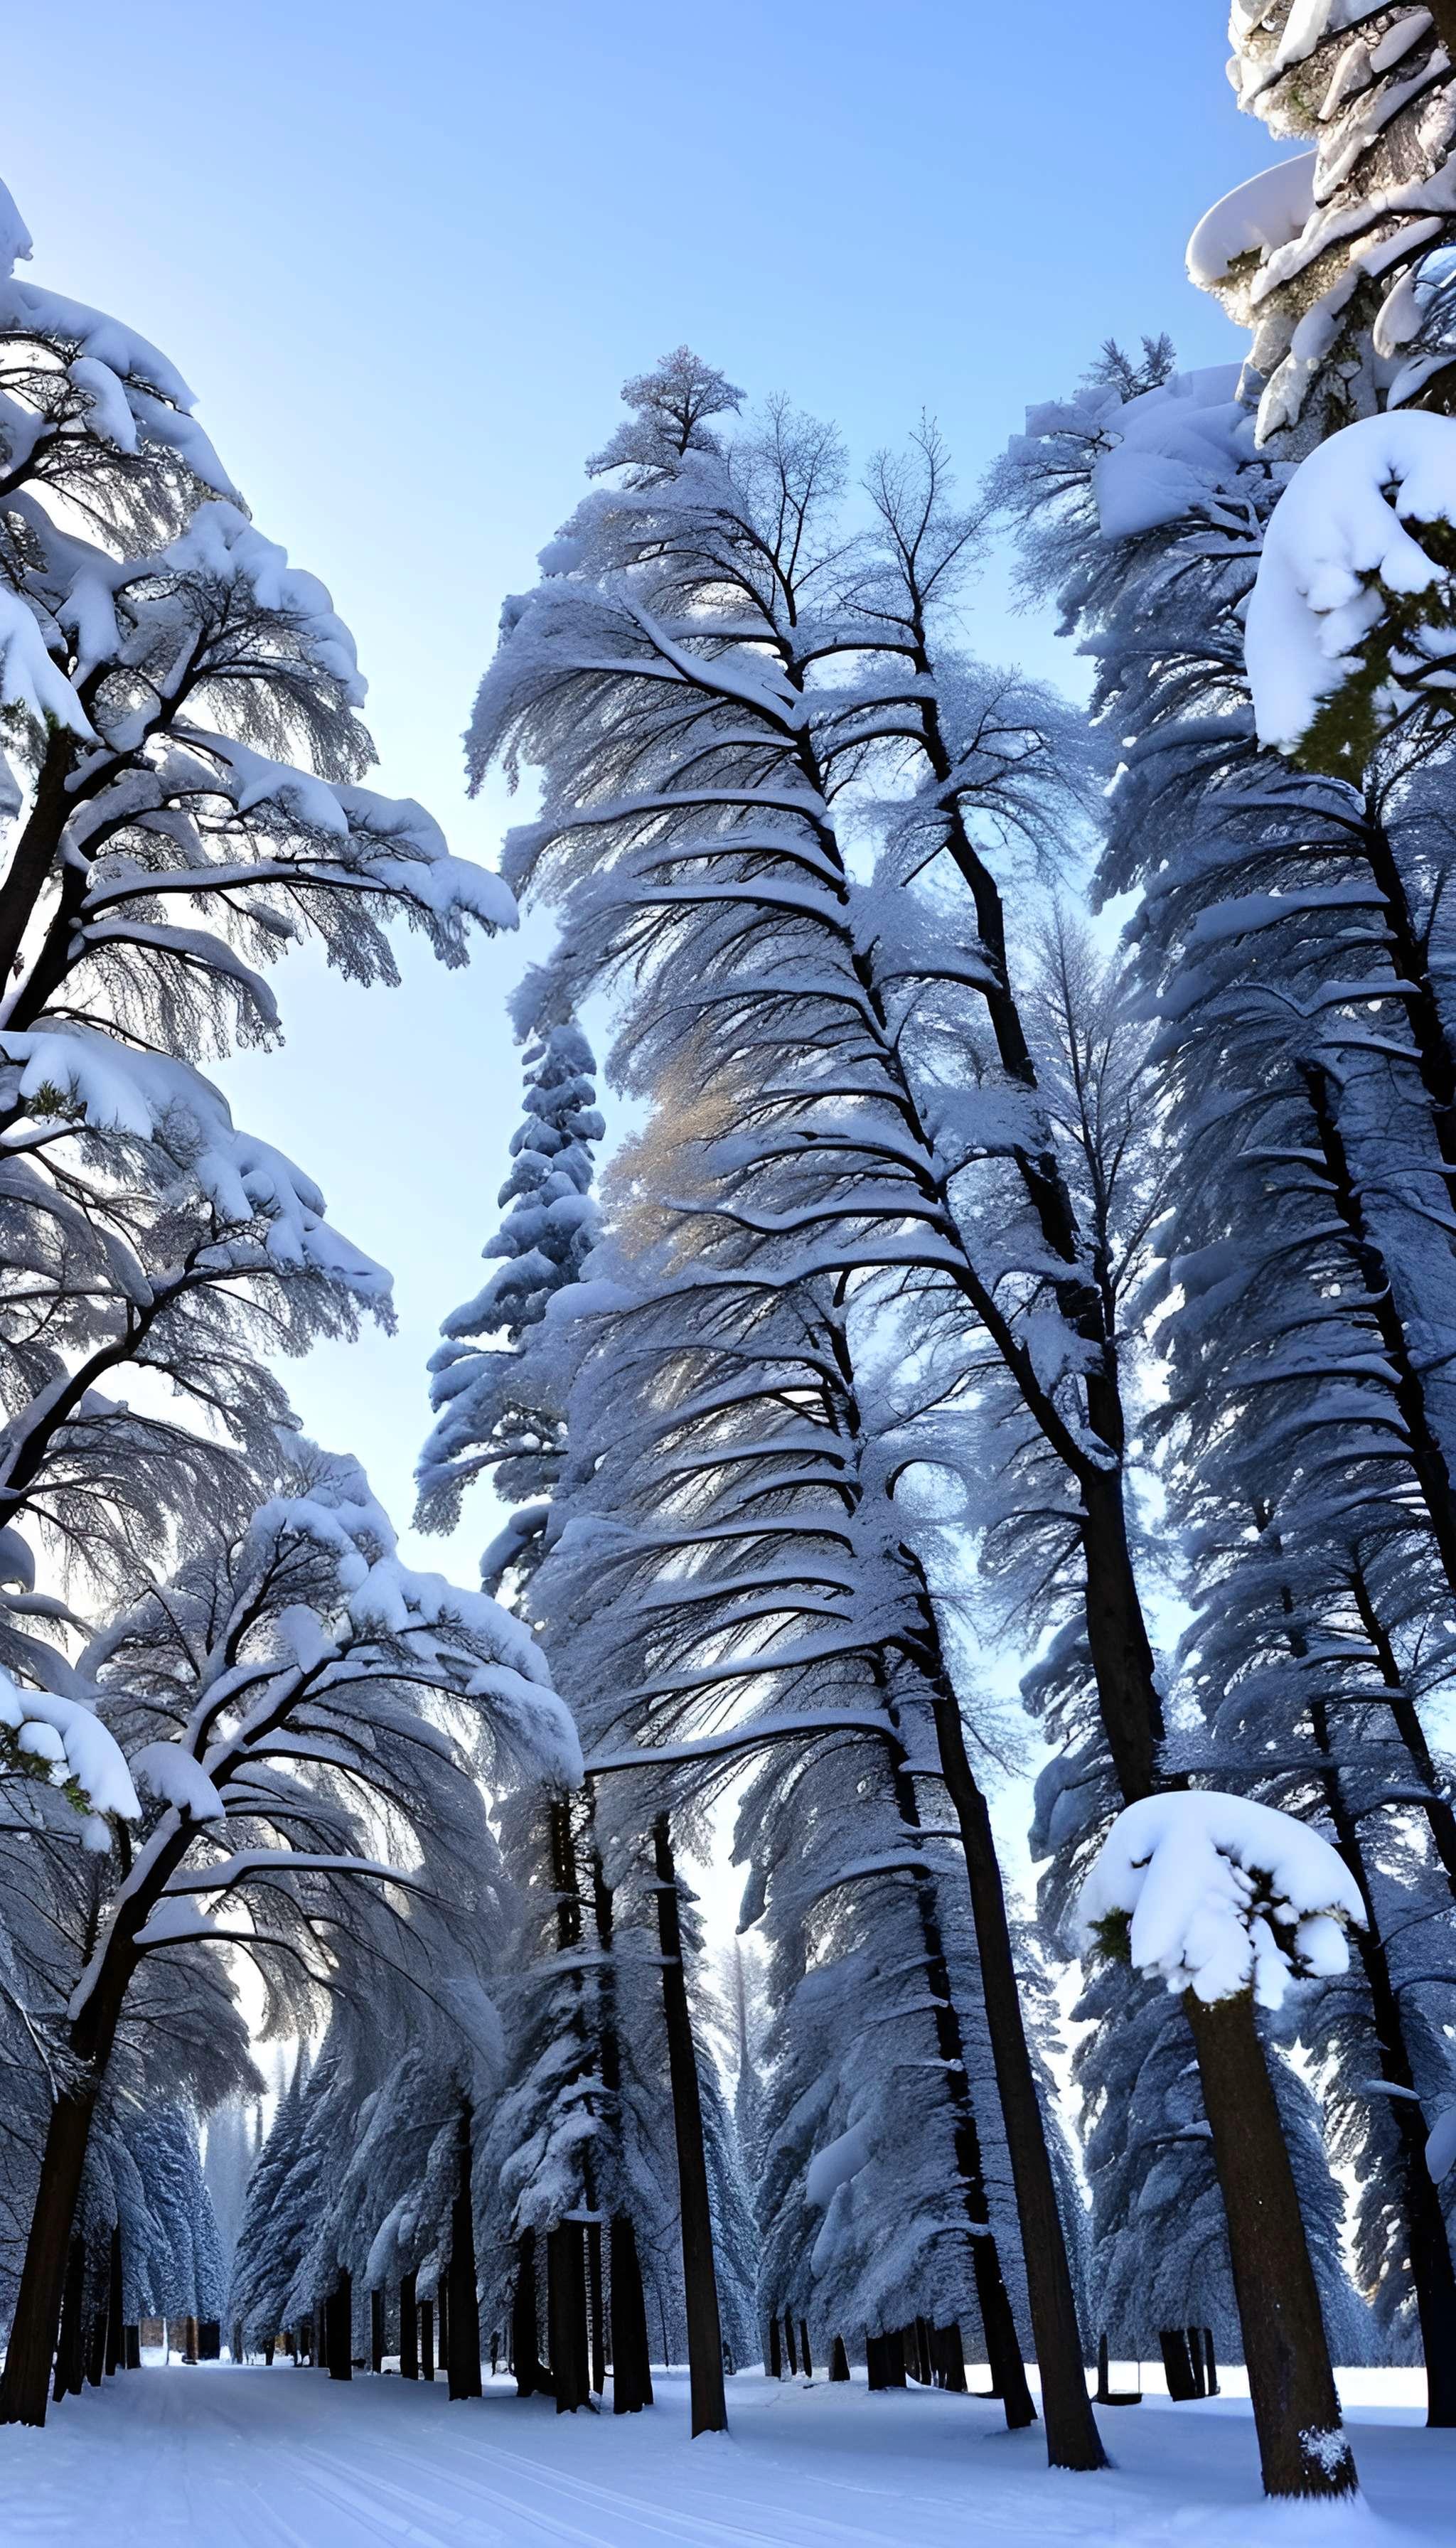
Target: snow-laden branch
[1218,1893]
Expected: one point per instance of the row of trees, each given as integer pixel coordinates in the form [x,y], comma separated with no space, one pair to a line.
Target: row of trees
[929,1228]
[229,1708]
[943,1235]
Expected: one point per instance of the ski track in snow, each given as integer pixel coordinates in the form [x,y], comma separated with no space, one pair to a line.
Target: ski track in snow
[217,2458]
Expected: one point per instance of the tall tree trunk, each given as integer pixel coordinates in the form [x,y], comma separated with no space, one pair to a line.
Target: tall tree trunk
[115,2309]
[700,2277]
[839,2360]
[44,2274]
[525,2345]
[1302,2447]
[426,2339]
[68,2339]
[96,2339]
[341,2308]
[1072,2439]
[775,2348]
[790,2346]
[408,2329]
[1177,2367]
[464,2324]
[595,2312]
[631,2370]
[376,2332]
[566,2311]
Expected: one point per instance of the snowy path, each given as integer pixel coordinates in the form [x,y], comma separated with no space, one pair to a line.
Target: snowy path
[217,2458]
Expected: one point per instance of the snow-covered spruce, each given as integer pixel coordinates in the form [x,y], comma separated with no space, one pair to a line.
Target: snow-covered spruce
[488,1421]
[1335,260]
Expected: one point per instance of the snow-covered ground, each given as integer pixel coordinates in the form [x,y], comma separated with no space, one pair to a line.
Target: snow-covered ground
[219,2458]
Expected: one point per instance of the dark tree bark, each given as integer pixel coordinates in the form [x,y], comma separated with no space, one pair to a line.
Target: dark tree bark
[408,2329]
[442,2321]
[1072,2439]
[1301,2448]
[1177,2366]
[566,2313]
[376,2332]
[596,2314]
[68,2346]
[949,2353]
[839,2360]
[133,2347]
[775,2349]
[96,2339]
[115,2303]
[709,2410]
[426,2339]
[1209,2366]
[464,2322]
[790,2346]
[524,2340]
[631,2370]
[209,2340]
[876,2362]
[341,2313]
[804,2355]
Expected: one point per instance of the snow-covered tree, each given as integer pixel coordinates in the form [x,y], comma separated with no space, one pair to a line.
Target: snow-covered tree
[181,708]
[726,877]
[1293,928]
[269,1699]
[490,1421]
[1331,257]
[727,1542]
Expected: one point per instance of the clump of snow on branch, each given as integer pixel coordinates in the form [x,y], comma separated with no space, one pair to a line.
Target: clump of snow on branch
[61,1742]
[157,1100]
[1337,550]
[1218,1893]
[1263,214]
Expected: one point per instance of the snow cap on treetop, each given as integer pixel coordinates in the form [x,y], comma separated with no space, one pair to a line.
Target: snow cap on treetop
[1221,1893]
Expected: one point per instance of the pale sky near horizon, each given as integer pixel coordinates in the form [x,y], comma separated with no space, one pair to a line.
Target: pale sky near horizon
[406,260]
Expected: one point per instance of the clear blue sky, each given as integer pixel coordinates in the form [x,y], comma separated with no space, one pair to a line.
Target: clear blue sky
[406,257]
